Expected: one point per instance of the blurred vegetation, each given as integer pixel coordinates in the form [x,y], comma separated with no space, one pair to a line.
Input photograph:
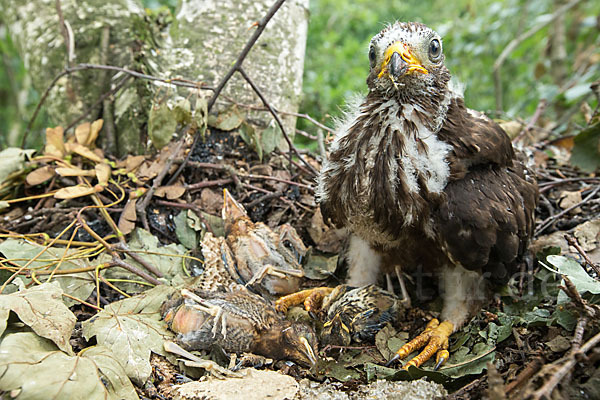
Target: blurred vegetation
[475,33]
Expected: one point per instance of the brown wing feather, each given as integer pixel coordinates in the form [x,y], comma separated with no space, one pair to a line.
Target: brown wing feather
[476,140]
[487,219]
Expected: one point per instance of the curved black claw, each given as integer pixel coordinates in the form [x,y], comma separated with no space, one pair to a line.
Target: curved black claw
[180,379]
[439,363]
[393,360]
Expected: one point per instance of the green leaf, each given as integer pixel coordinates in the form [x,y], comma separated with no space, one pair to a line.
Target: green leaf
[11,160]
[185,234]
[270,138]
[35,368]
[183,111]
[42,309]
[252,139]
[132,328]
[162,122]
[575,272]
[227,120]
[167,259]
[586,152]
[564,317]
[79,285]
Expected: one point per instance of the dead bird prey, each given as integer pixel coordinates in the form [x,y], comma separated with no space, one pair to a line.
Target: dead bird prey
[350,314]
[238,321]
[421,180]
[267,260]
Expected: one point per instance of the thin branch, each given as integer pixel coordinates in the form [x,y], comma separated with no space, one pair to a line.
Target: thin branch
[516,42]
[573,242]
[548,221]
[277,119]
[67,33]
[112,91]
[238,63]
[84,66]
[141,207]
[536,115]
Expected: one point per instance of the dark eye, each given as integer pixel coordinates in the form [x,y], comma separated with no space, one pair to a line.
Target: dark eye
[372,56]
[435,50]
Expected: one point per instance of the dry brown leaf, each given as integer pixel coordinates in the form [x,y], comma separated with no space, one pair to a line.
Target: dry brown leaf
[71,192]
[149,170]
[170,192]
[54,142]
[128,217]
[83,152]
[211,201]
[39,175]
[133,162]
[74,171]
[82,133]
[94,130]
[103,173]
[566,142]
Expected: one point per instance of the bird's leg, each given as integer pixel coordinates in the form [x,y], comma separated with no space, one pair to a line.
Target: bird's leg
[277,272]
[434,339]
[216,311]
[405,296]
[388,283]
[191,360]
[312,299]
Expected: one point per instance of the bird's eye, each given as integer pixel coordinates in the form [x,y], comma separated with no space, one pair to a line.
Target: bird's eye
[435,50]
[372,56]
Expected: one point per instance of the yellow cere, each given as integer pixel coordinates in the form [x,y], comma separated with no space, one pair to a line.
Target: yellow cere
[404,51]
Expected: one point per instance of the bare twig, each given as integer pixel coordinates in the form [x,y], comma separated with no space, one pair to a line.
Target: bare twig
[205,184]
[67,33]
[547,388]
[529,371]
[278,120]
[242,56]
[548,221]
[516,42]
[573,242]
[112,91]
[293,114]
[84,67]
[536,115]
[141,207]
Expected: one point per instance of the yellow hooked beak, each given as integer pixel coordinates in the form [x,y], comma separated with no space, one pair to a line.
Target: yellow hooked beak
[401,49]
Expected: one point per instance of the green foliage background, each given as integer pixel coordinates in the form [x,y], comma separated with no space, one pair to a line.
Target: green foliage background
[475,33]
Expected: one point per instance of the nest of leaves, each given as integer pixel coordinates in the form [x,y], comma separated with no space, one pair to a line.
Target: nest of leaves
[91,247]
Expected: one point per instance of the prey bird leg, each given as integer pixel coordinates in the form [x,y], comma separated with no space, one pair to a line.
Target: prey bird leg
[216,311]
[191,360]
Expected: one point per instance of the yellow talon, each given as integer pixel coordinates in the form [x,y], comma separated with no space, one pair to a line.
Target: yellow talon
[434,339]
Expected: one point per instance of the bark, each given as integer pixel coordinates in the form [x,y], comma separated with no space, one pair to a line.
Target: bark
[201,45]
[209,35]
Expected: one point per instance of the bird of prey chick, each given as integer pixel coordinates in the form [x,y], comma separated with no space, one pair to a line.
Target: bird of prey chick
[419,179]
